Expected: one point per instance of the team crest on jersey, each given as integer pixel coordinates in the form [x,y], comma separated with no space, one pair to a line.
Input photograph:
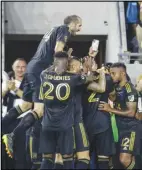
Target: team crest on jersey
[131,98]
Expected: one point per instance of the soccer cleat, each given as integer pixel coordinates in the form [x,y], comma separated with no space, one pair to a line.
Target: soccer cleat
[8,141]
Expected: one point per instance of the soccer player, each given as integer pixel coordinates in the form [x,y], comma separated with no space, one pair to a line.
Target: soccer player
[97,123]
[125,109]
[57,91]
[53,41]
[139,113]
[81,138]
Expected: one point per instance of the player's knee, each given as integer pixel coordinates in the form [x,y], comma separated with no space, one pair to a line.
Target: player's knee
[38,109]
[83,155]
[25,106]
[58,158]
[67,156]
[125,159]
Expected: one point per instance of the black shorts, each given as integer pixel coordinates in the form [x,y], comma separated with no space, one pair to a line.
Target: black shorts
[31,87]
[103,143]
[81,138]
[50,140]
[129,142]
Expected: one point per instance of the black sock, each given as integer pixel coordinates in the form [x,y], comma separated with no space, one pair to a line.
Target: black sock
[19,165]
[82,164]
[47,163]
[68,163]
[36,165]
[110,163]
[103,163]
[11,116]
[58,165]
[26,122]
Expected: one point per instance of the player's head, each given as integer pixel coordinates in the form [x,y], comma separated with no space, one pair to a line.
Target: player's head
[139,84]
[107,67]
[61,61]
[75,65]
[118,72]
[74,23]
[19,67]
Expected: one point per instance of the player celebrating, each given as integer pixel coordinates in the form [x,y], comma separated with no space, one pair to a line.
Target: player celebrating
[53,41]
[125,109]
[57,91]
[100,134]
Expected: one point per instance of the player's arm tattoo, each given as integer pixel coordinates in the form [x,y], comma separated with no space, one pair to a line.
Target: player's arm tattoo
[59,46]
[129,112]
[100,86]
[112,96]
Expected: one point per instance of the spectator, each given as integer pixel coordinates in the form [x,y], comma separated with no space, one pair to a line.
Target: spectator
[11,96]
[12,93]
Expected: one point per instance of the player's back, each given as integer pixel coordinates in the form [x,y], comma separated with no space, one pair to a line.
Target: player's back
[45,51]
[58,93]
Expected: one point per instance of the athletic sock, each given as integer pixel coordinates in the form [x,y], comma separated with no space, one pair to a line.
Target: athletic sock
[133,165]
[103,163]
[47,163]
[68,163]
[82,164]
[11,116]
[58,165]
[36,165]
[110,164]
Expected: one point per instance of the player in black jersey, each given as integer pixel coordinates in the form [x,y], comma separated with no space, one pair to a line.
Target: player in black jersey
[58,89]
[53,41]
[125,108]
[81,138]
[139,114]
[97,123]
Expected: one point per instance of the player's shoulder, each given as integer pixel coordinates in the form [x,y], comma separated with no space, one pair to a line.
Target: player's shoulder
[130,88]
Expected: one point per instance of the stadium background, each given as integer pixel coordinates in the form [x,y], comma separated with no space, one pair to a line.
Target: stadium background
[24,23]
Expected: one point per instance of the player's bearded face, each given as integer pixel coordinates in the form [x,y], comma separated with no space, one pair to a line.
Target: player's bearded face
[115,74]
[76,27]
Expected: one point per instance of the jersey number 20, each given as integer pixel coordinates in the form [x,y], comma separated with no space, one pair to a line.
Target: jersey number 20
[48,95]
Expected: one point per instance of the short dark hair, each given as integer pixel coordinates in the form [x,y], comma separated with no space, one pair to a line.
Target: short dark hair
[119,65]
[75,58]
[20,59]
[71,18]
[61,54]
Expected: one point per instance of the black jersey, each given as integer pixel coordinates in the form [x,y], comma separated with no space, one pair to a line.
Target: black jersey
[45,51]
[125,94]
[78,104]
[97,121]
[57,92]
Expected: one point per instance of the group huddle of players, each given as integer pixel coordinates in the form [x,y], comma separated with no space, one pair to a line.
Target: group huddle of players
[75,108]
